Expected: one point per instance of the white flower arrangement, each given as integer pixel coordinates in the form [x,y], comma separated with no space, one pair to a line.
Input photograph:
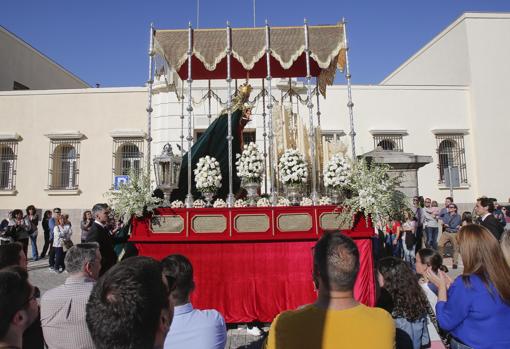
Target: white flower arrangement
[240,203]
[374,192]
[283,202]
[306,202]
[263,202]
[177,204]
[250,165]
[292,167]
[199,203]
[133,197]
[208,174]
[337,172]
[324,201]
[220,203]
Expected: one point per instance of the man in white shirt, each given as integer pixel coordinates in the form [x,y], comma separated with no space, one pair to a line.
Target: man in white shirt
[191,328]
[63,308]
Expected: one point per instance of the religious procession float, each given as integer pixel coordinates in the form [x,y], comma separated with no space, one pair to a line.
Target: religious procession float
[248,215]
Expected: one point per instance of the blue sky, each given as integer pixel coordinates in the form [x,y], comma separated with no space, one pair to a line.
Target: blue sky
[106,41]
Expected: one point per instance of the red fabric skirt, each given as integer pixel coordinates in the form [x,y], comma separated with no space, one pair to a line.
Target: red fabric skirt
[248,281]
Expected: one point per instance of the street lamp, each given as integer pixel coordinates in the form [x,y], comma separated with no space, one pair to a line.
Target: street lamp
[166,170]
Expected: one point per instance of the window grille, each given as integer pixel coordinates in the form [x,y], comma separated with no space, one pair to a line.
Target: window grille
[451,153]
[389,142]
[64,164]
[8,157]
[127,155]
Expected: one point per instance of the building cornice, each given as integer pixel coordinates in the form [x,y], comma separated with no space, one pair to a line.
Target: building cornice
[388,132]
[128,133]
[64,135]
[10,137]
[450,131]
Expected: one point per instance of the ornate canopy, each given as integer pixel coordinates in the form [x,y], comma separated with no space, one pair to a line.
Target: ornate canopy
[287,44]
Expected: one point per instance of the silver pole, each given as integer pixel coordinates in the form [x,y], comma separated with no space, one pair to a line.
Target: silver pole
[254,22]
[209,101]
[264,134]
[309,104]
[350,105]
[182,119]
[319,169]
[230,196]
[189,197]
[149,109]
[272,195]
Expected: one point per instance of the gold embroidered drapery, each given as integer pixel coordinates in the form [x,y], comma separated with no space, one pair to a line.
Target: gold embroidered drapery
[287,44]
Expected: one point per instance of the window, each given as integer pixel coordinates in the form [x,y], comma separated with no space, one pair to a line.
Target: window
[127,155]
[8,156]
[389,142]
[64,164]
[451,155]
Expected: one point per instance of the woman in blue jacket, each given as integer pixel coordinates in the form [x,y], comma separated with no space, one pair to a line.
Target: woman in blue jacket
[475,308]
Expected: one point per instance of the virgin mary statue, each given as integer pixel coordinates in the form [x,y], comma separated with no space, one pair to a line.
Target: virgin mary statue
[214,143]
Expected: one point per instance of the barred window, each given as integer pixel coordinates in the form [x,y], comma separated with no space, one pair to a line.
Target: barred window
[389,142]
[8,156]
[64,164]
[127,155]
[451,155]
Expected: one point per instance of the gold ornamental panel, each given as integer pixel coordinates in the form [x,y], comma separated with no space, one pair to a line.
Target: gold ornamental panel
[294,222]
[329,221]
[251,223]
[209,223]
[167,224]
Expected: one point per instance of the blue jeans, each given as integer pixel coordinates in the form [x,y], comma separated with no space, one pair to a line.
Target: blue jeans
[33,241]
[59,258]
[431,234]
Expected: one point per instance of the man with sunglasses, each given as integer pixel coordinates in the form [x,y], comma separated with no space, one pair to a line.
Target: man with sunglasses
[451,225]
[18,306]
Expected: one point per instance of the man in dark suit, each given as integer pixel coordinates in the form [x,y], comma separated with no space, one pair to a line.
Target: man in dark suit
[99,233]
[484,208]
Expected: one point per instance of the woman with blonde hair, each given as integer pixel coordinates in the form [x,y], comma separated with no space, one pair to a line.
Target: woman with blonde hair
[62,234]
[475,309]
[505,245]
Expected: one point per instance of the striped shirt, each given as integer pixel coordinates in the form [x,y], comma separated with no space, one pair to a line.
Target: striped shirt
[63,314]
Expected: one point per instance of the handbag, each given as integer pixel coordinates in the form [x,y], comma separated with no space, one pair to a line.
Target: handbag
[445,337]
[67,244]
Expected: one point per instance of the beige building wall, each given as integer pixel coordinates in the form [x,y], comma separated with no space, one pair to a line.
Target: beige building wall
[94,113]
[25,65]
[473,51]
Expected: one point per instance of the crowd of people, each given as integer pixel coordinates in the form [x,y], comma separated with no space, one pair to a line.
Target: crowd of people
[140,302]
[57,231]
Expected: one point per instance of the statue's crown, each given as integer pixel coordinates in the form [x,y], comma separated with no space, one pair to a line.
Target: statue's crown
[245,90]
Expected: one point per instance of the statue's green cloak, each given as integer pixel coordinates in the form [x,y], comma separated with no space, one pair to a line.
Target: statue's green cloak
[213,143]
